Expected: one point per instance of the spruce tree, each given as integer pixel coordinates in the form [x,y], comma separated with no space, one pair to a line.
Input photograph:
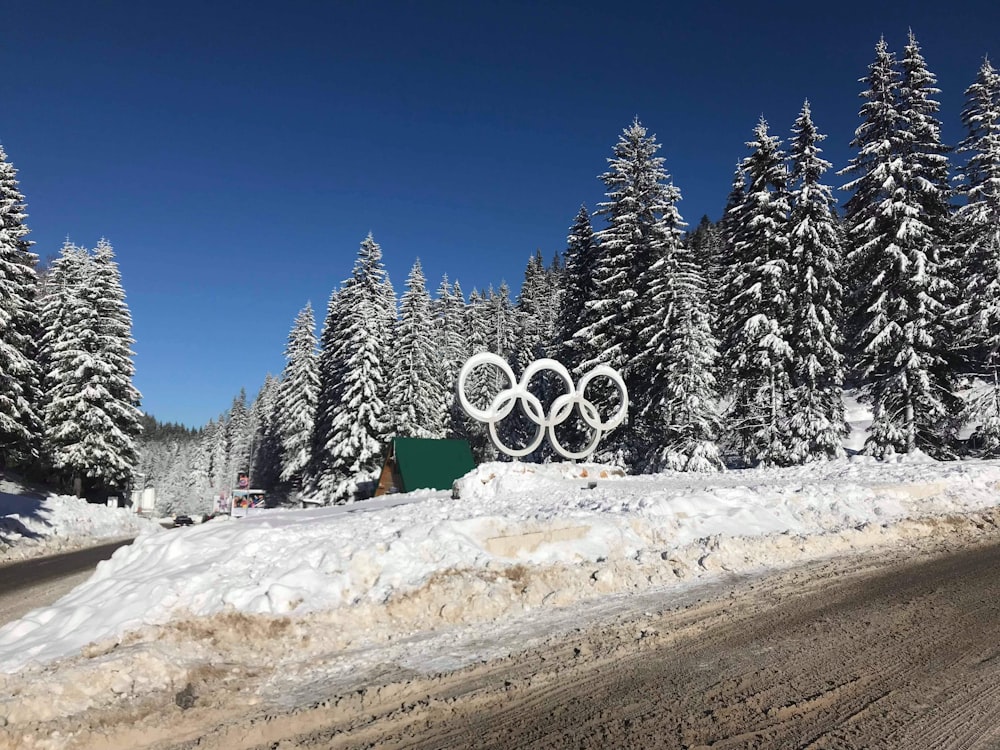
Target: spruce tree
[642,218]
[20,422]
[675,418]
[265,445]
[217,450]
[499,319]
[706,248]
[415,391]
[361,423]
[532,309]
[452,339]
[239,435]
[978,223]
[318,474]
[578,294]
[91,411]
[297,397]
[817,426]
[681,419]
[483,383]
[61,312]
[116,352]
[755,317]
[896,223]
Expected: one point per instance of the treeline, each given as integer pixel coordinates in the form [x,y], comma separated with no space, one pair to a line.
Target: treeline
[68,410]
[735,340]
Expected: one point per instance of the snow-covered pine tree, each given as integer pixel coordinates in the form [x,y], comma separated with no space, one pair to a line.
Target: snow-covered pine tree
[61,310]
[297,397]
[222,481]
[730,226]
[676,420]
[816,427]
[978,230]
[318,476]
[265,444]
[755,316]
[501,327]
[534,322]
[681,421]
[639,196]
[416,392]
[705,243]
[578,291]
[239,434]
[551,302]
[482,385]
[574,316]
[361,424]
[91,410]
[20,421]
[896,220]
[115,321]
[452,339]
[534,329]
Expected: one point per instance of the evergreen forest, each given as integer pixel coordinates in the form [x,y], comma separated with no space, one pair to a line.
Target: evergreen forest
[736,338]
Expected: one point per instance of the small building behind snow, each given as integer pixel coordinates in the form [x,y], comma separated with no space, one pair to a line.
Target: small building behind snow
[424,464]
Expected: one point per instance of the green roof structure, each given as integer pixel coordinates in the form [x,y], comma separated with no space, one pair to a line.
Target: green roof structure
[420,463]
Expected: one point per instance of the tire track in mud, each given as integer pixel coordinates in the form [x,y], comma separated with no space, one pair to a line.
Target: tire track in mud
[908,657]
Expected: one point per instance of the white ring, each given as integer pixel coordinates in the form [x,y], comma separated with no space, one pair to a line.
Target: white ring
[560,410]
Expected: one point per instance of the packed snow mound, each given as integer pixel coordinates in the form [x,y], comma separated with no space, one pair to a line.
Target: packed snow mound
[518,537]
[34,524]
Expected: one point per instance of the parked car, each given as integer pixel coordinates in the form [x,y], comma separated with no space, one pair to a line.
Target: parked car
[183,521]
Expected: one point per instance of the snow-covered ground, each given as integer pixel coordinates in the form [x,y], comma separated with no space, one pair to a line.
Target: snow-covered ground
[315,596]
[33,523]
[520,537]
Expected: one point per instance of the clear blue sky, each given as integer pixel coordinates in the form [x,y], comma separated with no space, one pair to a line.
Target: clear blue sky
[236,153]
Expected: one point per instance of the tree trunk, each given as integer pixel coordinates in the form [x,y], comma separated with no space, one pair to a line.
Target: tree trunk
[911,428]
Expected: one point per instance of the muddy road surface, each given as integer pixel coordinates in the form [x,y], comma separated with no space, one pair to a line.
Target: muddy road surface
[881,654]
[889,650]
[38,582]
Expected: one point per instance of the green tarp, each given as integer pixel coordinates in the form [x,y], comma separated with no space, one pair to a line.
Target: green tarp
[430,464]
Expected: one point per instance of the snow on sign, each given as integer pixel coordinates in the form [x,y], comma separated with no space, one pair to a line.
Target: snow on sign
[246,502]
[561,409]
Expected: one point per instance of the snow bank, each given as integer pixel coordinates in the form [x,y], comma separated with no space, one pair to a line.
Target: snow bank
[520,536]
[33,524]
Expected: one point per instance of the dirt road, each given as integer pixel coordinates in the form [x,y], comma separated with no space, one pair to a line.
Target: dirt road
[891,650]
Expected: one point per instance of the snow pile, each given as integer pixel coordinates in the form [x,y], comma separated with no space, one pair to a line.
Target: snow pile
[520,536]
[33,524]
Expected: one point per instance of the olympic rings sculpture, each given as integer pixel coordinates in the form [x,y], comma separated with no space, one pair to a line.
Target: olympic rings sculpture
[575,396]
